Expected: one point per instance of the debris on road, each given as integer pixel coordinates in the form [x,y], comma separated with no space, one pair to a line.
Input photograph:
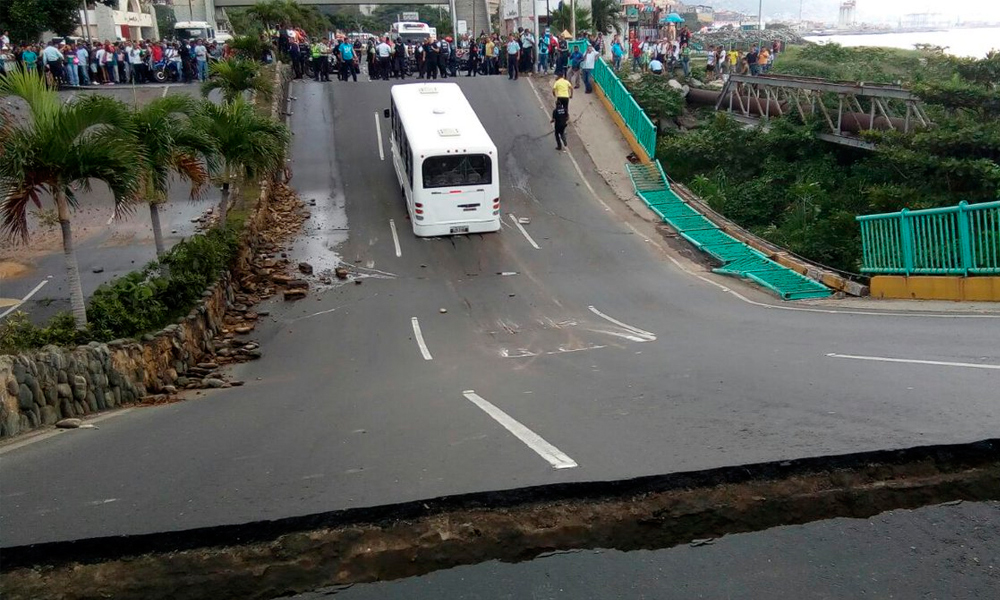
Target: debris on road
[72,423]
[305,268]
[295,294]
[442,310]
[340,272]
[98,269]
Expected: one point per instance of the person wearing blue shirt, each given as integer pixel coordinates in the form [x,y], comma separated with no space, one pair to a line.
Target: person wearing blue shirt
[543,52]
[617,52]
[513,56]
[575,60]
[347,61]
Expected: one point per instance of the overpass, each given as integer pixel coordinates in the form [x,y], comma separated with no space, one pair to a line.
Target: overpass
[475,13]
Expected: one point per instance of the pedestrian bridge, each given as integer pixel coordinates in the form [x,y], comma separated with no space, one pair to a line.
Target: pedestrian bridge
[476,13]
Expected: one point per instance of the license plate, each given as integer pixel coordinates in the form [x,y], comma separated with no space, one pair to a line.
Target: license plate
[460,229]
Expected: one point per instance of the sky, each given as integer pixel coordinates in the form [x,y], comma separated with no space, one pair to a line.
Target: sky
[869,11]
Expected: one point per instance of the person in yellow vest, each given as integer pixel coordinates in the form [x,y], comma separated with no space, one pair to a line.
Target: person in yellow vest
[316,51]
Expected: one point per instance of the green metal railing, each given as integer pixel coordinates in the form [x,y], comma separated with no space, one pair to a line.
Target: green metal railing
[957,240]
[626,106]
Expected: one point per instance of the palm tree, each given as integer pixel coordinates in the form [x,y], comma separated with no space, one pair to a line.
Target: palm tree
[233,77]
[172,145]
[58,148]
[606,15]
[247,143]
[560,18]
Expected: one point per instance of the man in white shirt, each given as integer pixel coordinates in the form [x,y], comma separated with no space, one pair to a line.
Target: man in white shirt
[383,52]
[527,52]
[655,66]
[135,64]
[4,40]
[53,59]
[587,66]
[201,59]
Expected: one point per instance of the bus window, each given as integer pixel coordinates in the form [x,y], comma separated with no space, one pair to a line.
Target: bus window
[456,170]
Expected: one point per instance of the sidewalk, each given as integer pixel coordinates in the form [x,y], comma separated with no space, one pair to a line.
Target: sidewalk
[602,140]
[608,150]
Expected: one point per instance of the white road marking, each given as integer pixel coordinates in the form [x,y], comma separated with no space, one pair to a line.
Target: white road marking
[420,339]
[111,218]
[70,99]
[523,231]
[550,453]
[378,134]
[649,337]
[166,89]
[395,238]
[524,353]
[25,299]
[914,361]
[31,438]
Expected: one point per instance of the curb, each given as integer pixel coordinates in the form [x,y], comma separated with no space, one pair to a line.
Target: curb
[778,254]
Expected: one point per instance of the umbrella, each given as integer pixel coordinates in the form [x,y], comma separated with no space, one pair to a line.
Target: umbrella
[632,3]
[674,18]
[566,34]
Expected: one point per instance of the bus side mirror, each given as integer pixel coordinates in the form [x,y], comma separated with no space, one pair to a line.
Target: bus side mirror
[385,113]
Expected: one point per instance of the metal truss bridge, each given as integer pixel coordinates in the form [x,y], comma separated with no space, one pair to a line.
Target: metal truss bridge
[846,109]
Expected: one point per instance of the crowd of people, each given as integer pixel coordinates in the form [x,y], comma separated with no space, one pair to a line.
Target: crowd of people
[673,52]
[69,63]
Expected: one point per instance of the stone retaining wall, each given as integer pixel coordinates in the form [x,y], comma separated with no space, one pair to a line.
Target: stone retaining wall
[39,388]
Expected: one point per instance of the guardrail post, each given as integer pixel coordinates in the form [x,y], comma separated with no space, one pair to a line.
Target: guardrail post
[964,237]
[906,242]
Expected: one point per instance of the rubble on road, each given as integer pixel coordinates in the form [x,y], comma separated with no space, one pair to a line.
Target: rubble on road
[269,274]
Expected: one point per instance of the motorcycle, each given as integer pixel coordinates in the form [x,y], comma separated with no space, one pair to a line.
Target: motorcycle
[166,70]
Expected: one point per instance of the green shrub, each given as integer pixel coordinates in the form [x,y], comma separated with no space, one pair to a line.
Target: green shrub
[149,299]
[18,334]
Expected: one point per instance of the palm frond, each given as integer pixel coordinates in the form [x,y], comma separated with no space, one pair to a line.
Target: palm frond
[245,141]
[233,77]
[42,102]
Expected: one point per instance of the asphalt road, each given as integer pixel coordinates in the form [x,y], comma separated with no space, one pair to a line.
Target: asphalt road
[105,249]
[942,552]
[611,359]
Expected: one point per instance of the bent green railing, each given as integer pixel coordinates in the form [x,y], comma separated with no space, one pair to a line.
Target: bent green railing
[957,240]
[626,106]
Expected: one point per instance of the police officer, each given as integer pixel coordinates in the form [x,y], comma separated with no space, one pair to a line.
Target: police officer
[384,54]
[444,51]
[399,58]
[315,52]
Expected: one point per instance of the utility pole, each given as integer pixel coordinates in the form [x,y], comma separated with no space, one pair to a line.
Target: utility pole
[454,21]
[86,21]
[760,23]
[572,18]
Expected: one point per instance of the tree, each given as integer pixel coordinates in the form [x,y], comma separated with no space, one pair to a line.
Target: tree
[561,17]
[171,144]
[58,148]
[247,143]
[606,16]
[233,77]
[165,19]
[27,19]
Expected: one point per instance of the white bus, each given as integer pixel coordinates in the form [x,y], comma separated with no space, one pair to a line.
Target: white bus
[412,31]
[446,163]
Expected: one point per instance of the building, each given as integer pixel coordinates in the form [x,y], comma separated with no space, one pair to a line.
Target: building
[847,14]
[128,20]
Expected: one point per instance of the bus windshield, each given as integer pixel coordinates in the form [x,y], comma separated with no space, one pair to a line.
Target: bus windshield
[457,170]
[193,33]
